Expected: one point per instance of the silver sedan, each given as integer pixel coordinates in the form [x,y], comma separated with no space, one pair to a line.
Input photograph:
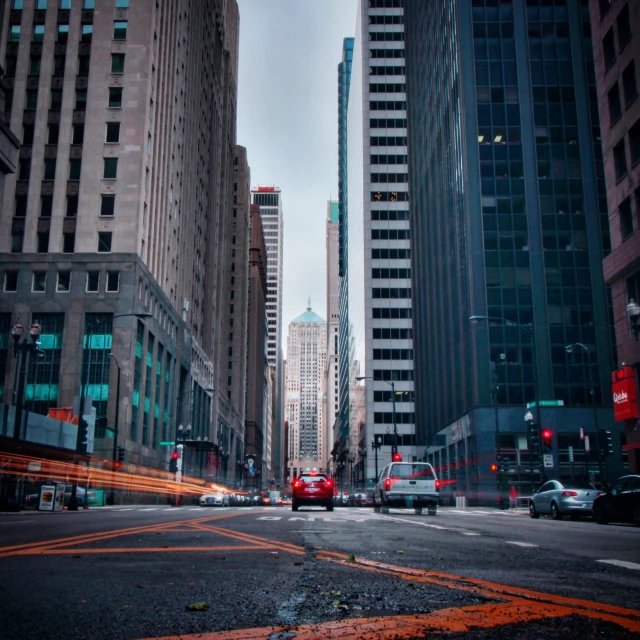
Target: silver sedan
[559,499]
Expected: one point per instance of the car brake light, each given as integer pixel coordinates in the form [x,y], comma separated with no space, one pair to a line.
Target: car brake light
[566,494]
[298,483]
[387,484]
[438,484]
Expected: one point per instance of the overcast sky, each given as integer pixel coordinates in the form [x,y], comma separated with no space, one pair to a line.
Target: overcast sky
[287,120]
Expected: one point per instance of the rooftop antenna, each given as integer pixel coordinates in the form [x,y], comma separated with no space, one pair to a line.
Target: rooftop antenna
[309,307]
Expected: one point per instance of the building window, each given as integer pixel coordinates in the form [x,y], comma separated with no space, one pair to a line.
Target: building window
[49,169]
[81,99]
[117,63]
[115,97]
[84,62]
[113,132]
[626,218]
[122,4]
[615,106]
[39,282]
[10,64]
[27,134]
[624,28]
[72,206]
[146,178]
[120,30]
[609,49]
[64,281]
[41,5]
[24,169]
[108,205]
[53,133]
[69,242]
[93,281]
[113,281]
[634,143]
[56,100]
[11,281]
[87,33]
[110,169]
[34,66]
[77,136]
[14,33]
[149,144]
[629,84]
[58,66]
[17,5]
[104,241]
[38,33]
[63,32]
[17,239]
[74,169]
[32,99]
[89,4]
[43,242]
[46,206]
[620,160]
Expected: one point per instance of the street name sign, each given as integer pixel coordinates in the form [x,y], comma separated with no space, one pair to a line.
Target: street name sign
[546,403]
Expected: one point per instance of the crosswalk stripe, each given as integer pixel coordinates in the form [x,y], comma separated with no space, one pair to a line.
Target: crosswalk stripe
[520,544]
[622,563]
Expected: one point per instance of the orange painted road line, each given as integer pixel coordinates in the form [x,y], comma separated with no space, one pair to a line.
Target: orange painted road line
[104,535]
[85,550]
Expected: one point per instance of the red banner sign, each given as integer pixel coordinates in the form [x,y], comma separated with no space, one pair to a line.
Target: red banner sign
[625,394]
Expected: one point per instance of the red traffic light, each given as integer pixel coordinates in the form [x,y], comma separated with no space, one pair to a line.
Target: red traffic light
[547,434]
[175,455]
[494,466]
[116,465]
[397,457]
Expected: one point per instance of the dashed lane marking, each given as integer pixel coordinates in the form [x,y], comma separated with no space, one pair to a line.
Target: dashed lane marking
[520,544]
[470,533]
[622,563]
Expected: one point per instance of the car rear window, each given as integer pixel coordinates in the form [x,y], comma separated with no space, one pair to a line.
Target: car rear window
[410,471]
[578,485]
[312,478]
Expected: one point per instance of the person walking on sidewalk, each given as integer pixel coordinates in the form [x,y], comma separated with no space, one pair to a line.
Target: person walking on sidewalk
[513,496]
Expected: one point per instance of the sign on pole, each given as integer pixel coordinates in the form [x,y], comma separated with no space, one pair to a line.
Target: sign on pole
[546,403]
[586,444]
[581,433]
[548,460]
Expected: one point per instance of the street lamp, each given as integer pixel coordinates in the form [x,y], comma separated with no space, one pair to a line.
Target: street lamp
[351,459]
[376,443]
[115,428]
[82,425]
[392,384]
[536,378]
[24,349]
[570,348]
[633,311]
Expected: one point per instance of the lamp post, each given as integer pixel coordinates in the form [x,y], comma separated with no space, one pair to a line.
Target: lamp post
[82,425]
[351,459]
[570,348]
[114,457]
[24,349]
[633,311]
[362,453]
[392,384]
[536,378]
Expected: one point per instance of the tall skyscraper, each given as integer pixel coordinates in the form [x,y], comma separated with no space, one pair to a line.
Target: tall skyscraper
[616,40]
[122,204]
[331,426]
[509,222]
[306,362]
[340,444]
[269,199]
[377,264]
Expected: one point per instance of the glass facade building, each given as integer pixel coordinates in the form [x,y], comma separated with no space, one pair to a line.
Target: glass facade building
[509,220]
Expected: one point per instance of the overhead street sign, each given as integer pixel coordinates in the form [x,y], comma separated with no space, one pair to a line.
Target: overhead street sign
[546,403]
[167,443]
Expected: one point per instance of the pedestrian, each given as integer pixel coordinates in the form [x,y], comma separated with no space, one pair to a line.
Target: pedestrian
[513,496]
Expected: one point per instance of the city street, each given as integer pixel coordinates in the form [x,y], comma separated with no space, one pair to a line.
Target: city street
[134,572]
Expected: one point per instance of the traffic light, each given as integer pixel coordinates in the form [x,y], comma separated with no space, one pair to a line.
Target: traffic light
[120,457]
[173,463]
[605,443]
[547,437]
[532,435]
[83,436]
[116,464]
[494,467]
[397,457]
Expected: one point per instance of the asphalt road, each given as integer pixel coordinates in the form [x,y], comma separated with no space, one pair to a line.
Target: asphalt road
[475,573]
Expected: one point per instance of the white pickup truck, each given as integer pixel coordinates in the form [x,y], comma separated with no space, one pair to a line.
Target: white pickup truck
[407,485]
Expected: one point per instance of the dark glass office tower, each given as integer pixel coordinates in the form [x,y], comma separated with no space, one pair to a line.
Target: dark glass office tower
[509,220]
[344,80]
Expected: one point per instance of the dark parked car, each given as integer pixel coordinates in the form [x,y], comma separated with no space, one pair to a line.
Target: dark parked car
[620,502]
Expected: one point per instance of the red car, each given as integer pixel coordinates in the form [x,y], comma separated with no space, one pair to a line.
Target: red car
[312,489]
